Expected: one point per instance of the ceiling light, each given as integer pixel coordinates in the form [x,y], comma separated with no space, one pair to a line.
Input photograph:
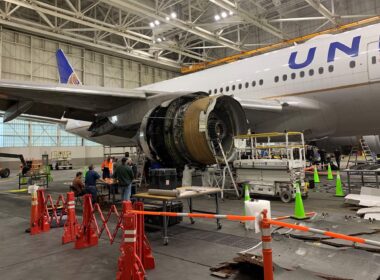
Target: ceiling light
[159,40]
[223,14]
[231,13]
[167,18]
[217,17]
[151,24]
[173,14]
[164,38]
[156,22]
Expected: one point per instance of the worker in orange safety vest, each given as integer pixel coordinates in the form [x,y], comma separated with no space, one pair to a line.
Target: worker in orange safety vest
[107,168]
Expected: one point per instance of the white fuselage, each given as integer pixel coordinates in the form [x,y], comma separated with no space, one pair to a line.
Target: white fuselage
[333,80]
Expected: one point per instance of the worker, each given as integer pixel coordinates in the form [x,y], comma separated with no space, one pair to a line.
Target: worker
[107,166]
[124,175]
[337,155]
[77,185]
[90,182]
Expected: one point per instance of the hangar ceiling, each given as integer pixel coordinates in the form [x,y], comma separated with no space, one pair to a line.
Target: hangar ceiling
[176,33]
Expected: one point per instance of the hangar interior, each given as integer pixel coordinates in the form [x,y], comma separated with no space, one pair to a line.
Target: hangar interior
[132,47]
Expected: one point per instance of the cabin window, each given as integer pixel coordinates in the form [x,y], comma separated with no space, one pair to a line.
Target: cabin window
[293,76]
[227,88]
[311,72]
[352,64]
[253,83]
[233,87]
[261,82]
[331,68]
[246,85]
[302,74]
[373,59]
[320,70]
[215,90]
[240,86]
[284,77]
[221,90]
[276,79]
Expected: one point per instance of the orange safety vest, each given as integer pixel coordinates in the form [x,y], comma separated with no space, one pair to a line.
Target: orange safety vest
[107,164]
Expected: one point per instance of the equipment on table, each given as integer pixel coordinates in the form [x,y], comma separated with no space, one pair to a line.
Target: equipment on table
[163,178]
[159,192]
[156,221]
[271,163]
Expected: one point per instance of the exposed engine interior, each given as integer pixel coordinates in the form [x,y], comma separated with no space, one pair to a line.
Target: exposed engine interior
[187,130]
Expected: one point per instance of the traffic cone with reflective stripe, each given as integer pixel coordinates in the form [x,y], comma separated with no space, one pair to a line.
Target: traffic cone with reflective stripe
[316,176]
[299,211]
[338,186]
[34,215]
[71,227]
[247,196]
[329,173]
[87,235]
[130,266]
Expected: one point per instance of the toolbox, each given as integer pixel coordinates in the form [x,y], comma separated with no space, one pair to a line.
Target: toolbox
[163,178]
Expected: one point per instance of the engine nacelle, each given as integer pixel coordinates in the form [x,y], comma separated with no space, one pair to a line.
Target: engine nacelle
[186,130]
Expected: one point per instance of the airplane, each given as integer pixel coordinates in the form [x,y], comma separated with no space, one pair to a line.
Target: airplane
[325,87]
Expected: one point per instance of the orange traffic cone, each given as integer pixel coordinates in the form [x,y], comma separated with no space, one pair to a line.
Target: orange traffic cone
[71,226]
[39,218]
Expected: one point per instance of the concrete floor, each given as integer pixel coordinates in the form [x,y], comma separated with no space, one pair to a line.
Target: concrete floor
[192,249]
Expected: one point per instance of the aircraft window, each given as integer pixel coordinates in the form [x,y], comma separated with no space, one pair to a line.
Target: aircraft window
[253,83]
[233,87]
[227,88]
[302,74]
[276,79]
[352,64]
[215,90]
[331,68]
[320,70]
[311,72]
[293,75]
[240,86]
[221,90]
[284,77]
[246,85]
[373,59]
[261,82]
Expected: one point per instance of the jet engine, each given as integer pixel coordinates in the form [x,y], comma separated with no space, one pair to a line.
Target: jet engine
[192,129]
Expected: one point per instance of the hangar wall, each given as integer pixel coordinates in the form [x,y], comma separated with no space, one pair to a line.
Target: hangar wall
[31,58]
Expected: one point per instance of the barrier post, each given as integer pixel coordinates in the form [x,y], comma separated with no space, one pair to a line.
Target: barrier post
[129,264]
[71,226]
[144,250]
[87,235]
[39,219]
[266,238]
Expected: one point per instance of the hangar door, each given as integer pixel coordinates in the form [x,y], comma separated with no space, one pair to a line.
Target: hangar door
[374,61]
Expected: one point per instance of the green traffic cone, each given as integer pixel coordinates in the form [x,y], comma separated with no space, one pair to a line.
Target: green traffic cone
[299,211]
[316,176]
[338,186]
[329,173]
[247,196]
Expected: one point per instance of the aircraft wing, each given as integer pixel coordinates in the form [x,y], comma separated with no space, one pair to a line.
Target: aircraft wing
[56,101]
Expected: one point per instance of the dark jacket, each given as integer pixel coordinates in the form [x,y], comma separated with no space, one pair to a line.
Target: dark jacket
[123,174]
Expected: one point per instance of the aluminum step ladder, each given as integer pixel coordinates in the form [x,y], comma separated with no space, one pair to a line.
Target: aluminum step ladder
[227,167]
[367,153]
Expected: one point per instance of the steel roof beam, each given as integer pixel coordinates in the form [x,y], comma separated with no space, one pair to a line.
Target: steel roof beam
[247,17]
[46,9]
[142,9]
[317,5]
